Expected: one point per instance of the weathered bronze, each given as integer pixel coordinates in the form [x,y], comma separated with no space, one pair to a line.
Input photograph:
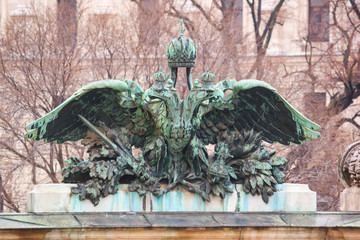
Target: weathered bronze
[115,117]
[349,166]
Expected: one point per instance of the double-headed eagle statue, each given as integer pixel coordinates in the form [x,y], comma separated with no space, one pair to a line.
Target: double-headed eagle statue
[116,119]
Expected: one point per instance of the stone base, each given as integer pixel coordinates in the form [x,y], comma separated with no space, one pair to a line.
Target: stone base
[58,198]
[350,199]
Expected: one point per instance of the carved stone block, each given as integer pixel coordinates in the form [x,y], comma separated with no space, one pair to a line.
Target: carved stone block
[58,198]
[350,199]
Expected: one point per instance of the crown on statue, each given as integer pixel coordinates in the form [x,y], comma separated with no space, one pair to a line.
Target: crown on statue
[160,76]
[207,77]
[181,52]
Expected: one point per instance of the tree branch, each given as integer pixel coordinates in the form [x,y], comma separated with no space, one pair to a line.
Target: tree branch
[6,197]
[207,16]
[355,8]
[350,120]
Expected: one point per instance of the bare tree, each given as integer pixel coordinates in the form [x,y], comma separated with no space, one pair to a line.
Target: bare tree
[108,46]
[332,66]
[262,38]
[6,200]
[39,68]
[341,78]
[229,25]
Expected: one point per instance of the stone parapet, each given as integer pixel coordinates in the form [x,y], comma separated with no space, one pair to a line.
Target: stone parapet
[350,199]
[58,198]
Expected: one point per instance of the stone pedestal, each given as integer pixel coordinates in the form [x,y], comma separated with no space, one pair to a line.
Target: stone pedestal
[58,198]
[350,199]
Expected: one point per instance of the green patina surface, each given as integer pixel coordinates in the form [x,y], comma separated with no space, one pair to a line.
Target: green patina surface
[113,117]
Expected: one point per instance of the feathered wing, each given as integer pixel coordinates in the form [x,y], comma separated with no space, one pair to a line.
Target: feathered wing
[108,101]
[256,105]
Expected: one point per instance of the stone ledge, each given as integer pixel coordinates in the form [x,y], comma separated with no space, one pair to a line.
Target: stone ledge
[177,220]
[181,225]
[246,233]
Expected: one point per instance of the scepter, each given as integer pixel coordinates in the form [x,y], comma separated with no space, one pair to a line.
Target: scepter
[119,149]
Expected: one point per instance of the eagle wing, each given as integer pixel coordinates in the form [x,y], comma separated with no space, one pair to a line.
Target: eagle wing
[254,104]
[117,103]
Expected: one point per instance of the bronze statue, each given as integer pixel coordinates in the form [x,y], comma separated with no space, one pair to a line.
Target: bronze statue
[113,117]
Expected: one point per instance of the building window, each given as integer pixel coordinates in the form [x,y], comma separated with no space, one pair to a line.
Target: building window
[67,21]
[149,16]
[319,20]
[234,18]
